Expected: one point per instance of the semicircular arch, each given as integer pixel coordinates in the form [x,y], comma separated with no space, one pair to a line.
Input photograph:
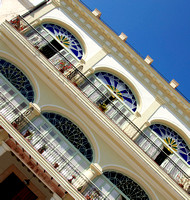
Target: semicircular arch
[172,125]
[77,122]
[123,78]
[69,28]
[133,176]
[25,72]
[173,136]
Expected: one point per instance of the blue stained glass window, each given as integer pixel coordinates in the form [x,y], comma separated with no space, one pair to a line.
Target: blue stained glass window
[72,133]
[66,38]
[17,79]
[172,139]
[119,88]
[129,187]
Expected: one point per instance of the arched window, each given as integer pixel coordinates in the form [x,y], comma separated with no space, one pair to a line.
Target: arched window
[57,44]
[119,187]
[55,138]
[72,133]
[66,38]
[119,88]
[164,143]
[17,79]
[172,140]
[111,95]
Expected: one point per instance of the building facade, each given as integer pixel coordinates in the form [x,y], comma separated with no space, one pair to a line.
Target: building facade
[82,115]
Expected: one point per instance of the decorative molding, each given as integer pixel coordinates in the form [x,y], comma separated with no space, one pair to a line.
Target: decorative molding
[174,83]
[148,60]
[137,114]
[159,86]
[96,13]
[56,2]
[123,37]
[146,124]
[95,167]
[160,100]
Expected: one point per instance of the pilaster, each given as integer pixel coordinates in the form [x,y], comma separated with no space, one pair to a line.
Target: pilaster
[94,171]
[141,119]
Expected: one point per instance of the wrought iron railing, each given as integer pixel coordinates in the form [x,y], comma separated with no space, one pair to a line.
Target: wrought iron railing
[56,158]
[75,75]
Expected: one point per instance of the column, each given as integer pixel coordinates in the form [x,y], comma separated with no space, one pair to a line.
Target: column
[141,121]
[88,175]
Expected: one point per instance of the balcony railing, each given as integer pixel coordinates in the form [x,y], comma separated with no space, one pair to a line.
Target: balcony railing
[75,75]
[48,150]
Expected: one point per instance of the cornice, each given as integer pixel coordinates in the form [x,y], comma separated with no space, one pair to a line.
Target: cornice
[128,58]
[113,44]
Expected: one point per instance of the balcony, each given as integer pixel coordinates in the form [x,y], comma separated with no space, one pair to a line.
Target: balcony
[49,144]
[99,96]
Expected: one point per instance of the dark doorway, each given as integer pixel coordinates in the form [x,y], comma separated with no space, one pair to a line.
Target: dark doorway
[162,156]
[48,51]
[12,188]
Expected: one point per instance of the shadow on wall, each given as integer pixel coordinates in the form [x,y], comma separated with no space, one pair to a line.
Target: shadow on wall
[27,4]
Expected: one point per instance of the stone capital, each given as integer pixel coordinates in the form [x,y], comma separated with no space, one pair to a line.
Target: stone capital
[95,167]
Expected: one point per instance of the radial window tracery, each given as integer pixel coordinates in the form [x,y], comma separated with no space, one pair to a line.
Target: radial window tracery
[119,88]
[66,38]
[172,139]
[72,133]
[17,78]
[130,188]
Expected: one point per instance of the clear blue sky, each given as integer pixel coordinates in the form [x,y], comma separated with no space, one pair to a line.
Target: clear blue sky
[159,28]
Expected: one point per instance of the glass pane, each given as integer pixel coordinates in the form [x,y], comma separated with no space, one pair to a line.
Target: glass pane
[10,93]
[17,100]
[44,127]
[69,57]
[88,90]
[94,96]
[92,79]
[158,143]
[151,151]
[83,85]
[54,143]
[102,88]
[106,188]
[76,160]
[58,139]
[22,106]
[140,140]
[113,195]
[146,145]
[69,153]
[117,104]
[52,133]
[110,111]
[83,165]
[5,87]
[63,146]
[96,83]
[99,182]
[1,82]
[38,121]
[48,137]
